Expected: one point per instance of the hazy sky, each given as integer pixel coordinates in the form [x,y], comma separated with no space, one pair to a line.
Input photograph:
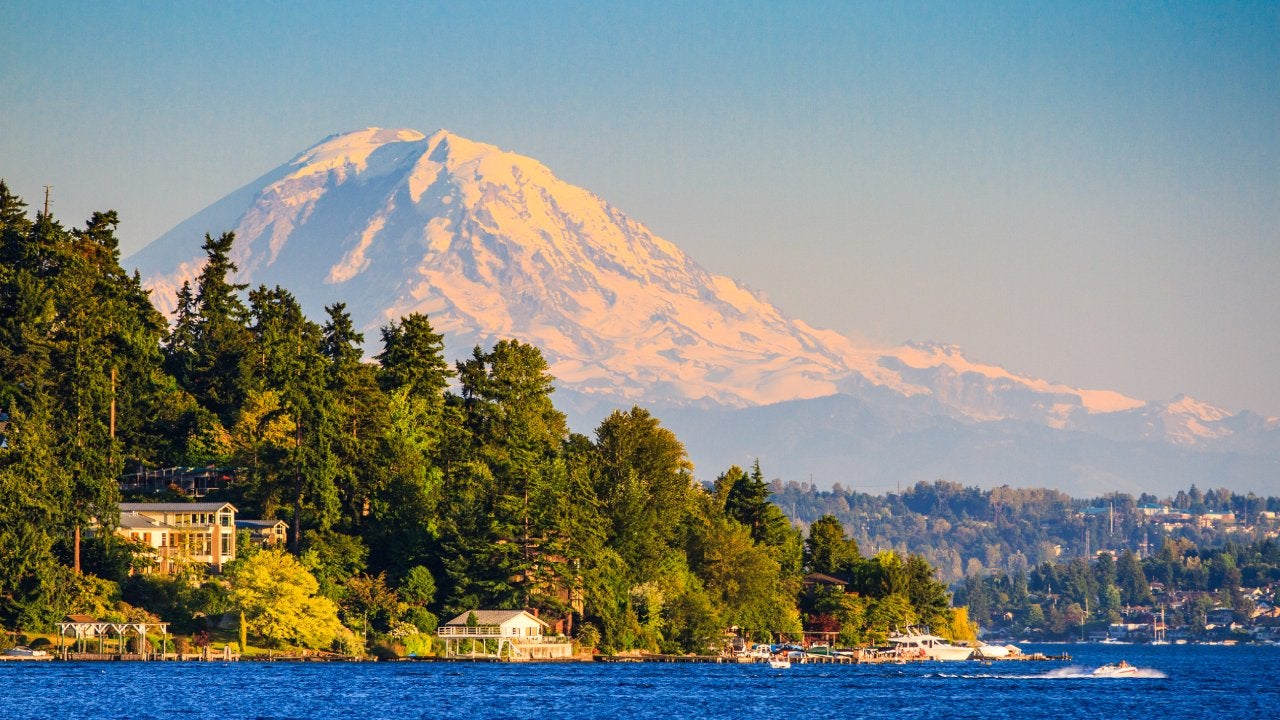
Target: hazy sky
[1085,192]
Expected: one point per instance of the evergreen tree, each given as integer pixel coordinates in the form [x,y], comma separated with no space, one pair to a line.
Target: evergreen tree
[645,485]
[209,358]
[287,358]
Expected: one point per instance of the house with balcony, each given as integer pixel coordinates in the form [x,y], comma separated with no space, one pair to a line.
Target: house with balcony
[181,533]
[513,635]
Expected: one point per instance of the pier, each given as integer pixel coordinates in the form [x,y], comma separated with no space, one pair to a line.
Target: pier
[865,658]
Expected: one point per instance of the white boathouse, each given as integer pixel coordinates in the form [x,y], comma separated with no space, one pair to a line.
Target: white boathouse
[513,635]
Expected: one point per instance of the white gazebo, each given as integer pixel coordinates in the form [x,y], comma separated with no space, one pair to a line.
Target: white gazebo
[85,629]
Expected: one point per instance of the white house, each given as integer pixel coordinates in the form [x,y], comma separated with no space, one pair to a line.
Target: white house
[514,635]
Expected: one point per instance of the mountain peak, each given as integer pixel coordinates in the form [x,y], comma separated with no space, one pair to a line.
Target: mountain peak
[491,244]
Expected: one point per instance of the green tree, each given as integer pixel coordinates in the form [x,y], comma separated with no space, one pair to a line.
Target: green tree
[645,485]
[828,550]
[287,356]
[208,357]
[743,579]
[413,356]
[280,603]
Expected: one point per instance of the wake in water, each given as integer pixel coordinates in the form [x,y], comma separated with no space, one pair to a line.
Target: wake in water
[1071,672]
[1079,671]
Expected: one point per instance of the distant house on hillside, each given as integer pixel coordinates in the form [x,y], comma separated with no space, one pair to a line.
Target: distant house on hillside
[267,533]
[193,482]
[817,580]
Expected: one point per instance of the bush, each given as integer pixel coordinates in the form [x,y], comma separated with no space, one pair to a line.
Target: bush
[420,645]
[387,650]
[588,636]
[423,619]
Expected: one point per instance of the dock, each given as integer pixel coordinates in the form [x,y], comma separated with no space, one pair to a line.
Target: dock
[859,659]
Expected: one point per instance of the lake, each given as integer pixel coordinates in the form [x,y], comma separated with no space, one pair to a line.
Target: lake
[1174,682]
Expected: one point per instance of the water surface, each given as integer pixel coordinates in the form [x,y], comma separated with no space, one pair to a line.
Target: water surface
[1174,682]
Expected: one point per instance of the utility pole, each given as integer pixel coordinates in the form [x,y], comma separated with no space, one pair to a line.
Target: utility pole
[113,404]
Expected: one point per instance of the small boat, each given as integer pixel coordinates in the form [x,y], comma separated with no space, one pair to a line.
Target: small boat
[24,651]
[995,652]
[1119,669]
[780,664]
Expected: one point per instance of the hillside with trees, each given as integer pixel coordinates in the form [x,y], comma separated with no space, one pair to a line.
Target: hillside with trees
[968,531]
[413,489]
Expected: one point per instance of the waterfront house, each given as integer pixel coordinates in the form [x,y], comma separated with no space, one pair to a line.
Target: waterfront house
[177,533]
[515,635]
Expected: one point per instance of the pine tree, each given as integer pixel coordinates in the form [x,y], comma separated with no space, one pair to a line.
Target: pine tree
[209,358]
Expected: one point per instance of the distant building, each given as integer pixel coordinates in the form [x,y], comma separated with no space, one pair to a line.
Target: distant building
[193,482]
[267,533]
[815,580]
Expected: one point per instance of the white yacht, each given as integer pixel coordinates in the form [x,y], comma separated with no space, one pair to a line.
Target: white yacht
[917,644]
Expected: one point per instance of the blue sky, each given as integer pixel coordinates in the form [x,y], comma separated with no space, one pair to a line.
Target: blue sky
[1086,192]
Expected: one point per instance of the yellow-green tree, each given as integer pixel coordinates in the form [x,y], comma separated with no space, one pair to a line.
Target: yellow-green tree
[961,628]
[278,598]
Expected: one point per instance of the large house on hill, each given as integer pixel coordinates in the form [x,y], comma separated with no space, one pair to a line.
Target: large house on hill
[178,533]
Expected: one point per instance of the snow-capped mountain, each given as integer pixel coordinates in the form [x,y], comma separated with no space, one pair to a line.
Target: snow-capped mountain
[490,244]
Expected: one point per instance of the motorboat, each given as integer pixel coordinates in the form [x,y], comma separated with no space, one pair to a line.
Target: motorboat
[995,652]
[780,664]
[24,651]
[1119,669]
[923,645]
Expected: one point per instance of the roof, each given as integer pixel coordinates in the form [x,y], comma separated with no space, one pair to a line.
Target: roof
[176,507]
[81,619]
[259,523]
[133,521]
[822,579]
[493,617]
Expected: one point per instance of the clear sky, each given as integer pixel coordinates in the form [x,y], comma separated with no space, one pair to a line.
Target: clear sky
[1084,192]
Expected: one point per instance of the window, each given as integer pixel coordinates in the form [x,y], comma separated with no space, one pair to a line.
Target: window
[226,546]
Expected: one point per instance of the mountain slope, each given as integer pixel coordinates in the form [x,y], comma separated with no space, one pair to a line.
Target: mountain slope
[491,244]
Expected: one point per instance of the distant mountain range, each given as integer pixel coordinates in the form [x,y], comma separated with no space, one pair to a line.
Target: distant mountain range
[491,245]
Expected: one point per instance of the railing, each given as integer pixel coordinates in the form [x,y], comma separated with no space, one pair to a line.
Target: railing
[490,631]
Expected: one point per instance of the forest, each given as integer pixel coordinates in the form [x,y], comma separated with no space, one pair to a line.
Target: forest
[414,489]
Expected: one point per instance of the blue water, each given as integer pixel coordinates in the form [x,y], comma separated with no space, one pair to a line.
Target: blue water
[1174,682]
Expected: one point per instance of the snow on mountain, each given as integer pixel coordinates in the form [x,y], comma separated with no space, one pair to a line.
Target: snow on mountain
[490,244]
